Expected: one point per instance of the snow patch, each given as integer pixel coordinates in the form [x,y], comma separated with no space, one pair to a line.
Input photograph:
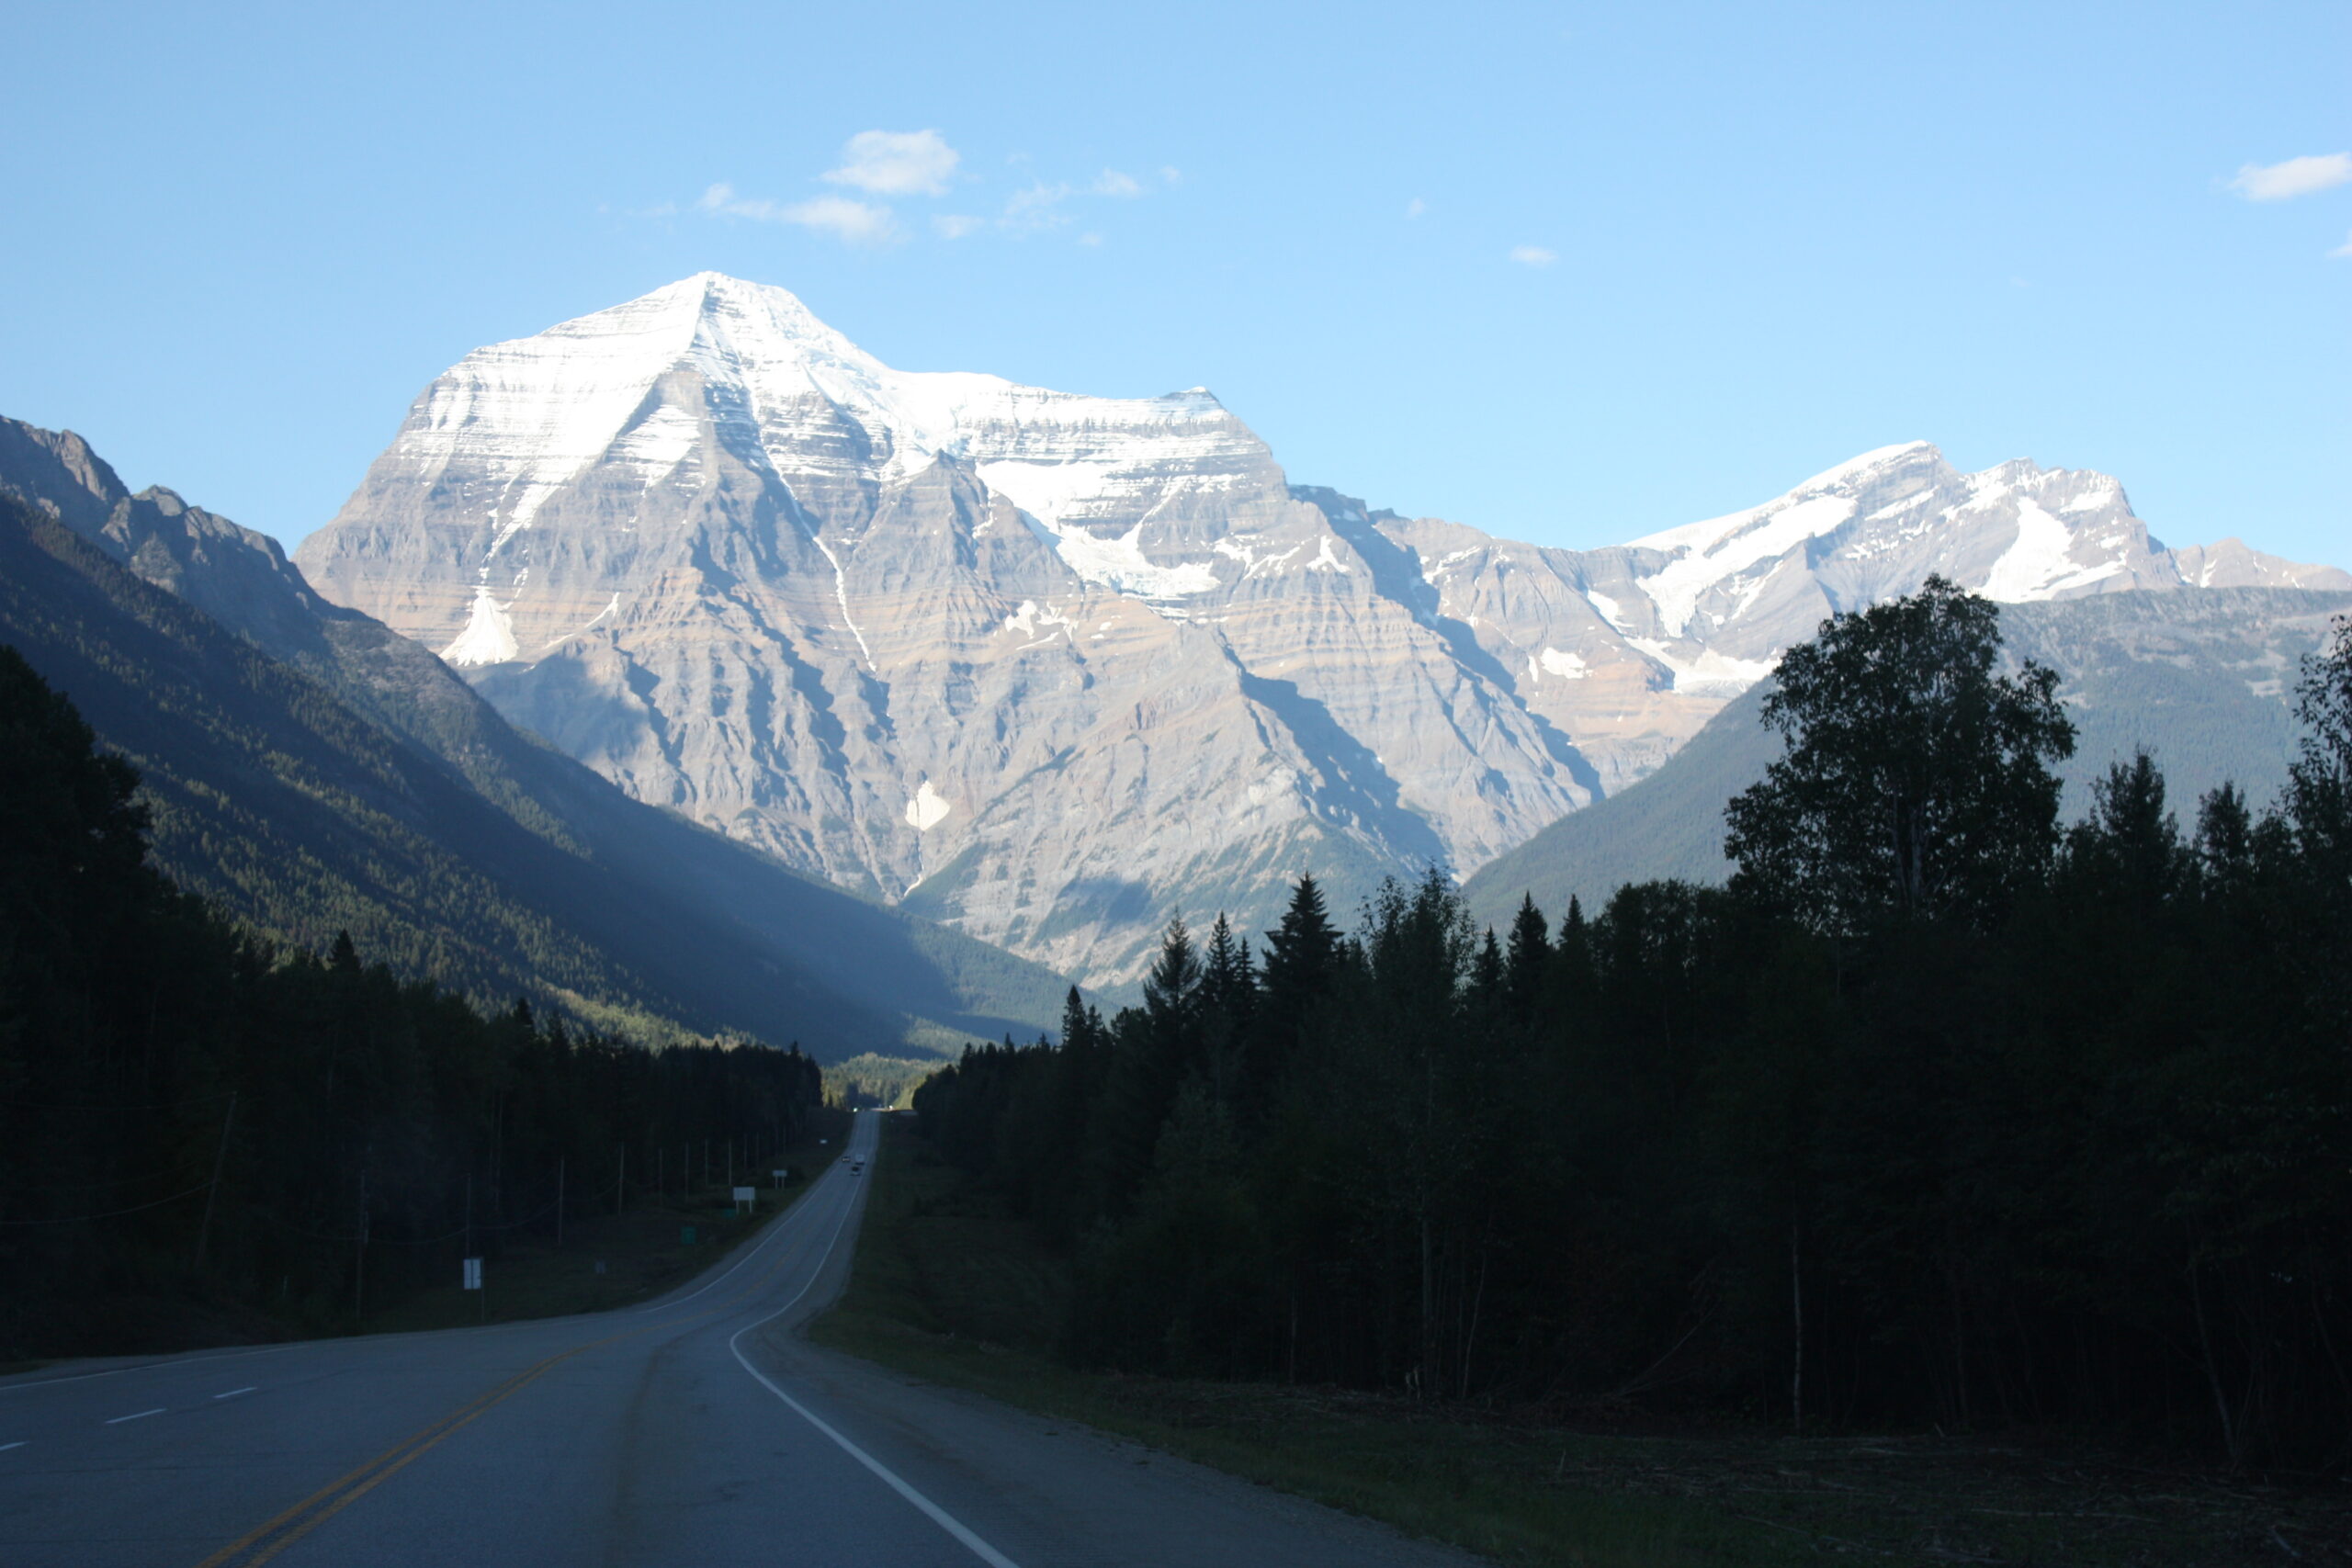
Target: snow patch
[1710,674]
[1570,666]
[1252,563]
[1037,623]
[2039,564]
[928,810]
[558,642]
[1326,561]
[1722,548]
[489,637]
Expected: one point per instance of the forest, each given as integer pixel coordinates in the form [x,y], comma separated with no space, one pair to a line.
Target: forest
[1941,1112]
[192,1116]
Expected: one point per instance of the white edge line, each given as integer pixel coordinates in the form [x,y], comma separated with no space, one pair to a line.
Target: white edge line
[18,1444]
[778,1228]
[154,1366]
[140,1415]
[931,1510]
[234,1392]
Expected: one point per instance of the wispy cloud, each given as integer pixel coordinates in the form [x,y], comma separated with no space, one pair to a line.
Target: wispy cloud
[1416,207]
[852,222]
[2296,176]
[2342,252]
[955,225]
[1038,206]
[1533,255]
[1035,207]
[896,162]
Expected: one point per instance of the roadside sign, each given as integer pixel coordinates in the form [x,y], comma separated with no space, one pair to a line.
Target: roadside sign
[776,1176]
[747,1198]
[474,1273]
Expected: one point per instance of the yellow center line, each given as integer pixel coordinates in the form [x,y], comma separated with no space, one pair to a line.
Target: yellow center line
[267,1540]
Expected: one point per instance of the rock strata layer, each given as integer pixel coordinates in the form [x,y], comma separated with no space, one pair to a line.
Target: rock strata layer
[1052,667]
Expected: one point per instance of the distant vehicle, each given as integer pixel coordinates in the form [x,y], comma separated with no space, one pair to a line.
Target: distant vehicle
[858,1170]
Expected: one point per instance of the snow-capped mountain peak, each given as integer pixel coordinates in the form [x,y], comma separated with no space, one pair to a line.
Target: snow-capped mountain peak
[631,389]
[1055,665]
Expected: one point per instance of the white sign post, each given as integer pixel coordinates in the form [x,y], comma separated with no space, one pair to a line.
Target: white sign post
[474,1273]
[746,1199]
[776,1176]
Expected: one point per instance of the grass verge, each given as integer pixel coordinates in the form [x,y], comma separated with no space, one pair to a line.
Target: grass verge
[609,1260]
[948,1287]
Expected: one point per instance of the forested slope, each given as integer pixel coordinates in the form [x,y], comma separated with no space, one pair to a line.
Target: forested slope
[200,1136]
[1942,1111]
[2200,678]
[319,772]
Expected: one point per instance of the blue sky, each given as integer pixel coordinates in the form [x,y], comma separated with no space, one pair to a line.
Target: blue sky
[1567,273]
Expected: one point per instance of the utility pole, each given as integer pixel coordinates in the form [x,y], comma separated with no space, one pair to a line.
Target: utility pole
[620,1184]
[212,1192]
[359,1272]
[484,1294]
[558,1201]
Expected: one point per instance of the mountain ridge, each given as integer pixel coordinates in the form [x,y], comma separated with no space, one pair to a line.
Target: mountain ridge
[2198,678]
[326,772]
[1059,667]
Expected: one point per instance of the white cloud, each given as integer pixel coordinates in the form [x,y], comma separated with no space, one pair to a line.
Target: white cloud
[896,162]
[2342,252]
[2296,176]
[1416,207]
[1171,173]
[955,225]
[1035,207]
[1533,256]
[1089,239]
[1043,204]
[853,222]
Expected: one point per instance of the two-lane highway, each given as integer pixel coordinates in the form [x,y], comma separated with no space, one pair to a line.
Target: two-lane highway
[699,1429]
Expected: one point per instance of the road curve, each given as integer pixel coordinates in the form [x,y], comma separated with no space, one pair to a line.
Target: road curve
[697,1429]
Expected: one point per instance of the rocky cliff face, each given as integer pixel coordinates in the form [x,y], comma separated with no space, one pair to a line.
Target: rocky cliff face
[1052,667]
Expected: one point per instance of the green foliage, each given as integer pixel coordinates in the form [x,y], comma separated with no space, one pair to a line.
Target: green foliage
[2071,1142]
[874,1080]
[1916,783]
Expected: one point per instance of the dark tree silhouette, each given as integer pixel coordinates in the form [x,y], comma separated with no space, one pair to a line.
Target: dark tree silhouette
[1917,781]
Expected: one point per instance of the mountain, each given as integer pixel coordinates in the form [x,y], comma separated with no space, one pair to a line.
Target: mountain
[308,769]
[1050,668]
[2202,678]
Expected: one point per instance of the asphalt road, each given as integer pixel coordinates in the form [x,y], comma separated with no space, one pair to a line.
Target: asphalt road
[698,1430]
